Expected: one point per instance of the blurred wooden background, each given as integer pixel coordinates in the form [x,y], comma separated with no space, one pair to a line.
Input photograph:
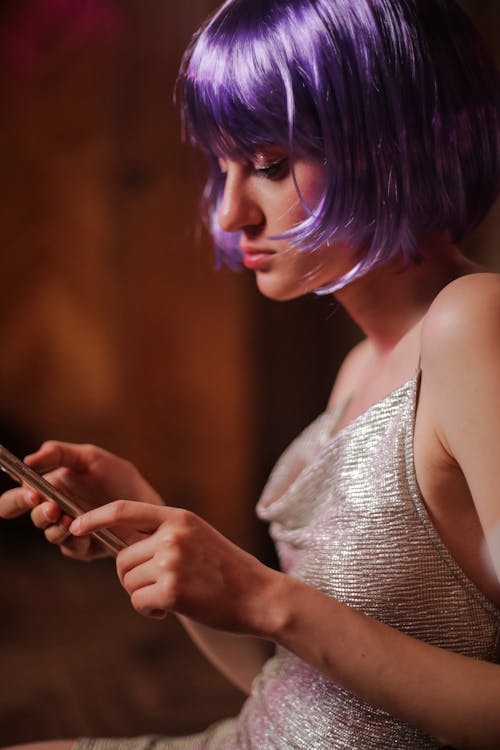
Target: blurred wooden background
[115,329]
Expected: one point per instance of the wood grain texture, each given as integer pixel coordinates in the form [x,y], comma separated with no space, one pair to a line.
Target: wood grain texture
[115,329]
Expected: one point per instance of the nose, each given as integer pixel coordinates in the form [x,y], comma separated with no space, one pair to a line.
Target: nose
[239,208]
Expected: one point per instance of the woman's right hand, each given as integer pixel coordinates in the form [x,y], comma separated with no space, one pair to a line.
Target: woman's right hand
[92,476]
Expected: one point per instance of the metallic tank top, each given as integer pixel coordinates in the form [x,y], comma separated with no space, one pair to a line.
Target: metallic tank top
[348,518]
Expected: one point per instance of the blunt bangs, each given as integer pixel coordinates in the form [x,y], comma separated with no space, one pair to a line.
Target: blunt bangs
[397,97]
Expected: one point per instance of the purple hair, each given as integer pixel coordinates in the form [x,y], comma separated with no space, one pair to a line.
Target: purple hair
[397,97]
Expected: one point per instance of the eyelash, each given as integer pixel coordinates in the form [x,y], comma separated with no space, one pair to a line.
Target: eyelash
[277,170]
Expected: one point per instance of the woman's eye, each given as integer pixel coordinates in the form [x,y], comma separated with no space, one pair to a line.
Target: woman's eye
[274,171]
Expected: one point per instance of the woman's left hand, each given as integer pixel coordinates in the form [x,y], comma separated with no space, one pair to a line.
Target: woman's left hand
[185,566]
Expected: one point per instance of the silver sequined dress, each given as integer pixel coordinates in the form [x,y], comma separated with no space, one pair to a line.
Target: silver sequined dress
[347,517]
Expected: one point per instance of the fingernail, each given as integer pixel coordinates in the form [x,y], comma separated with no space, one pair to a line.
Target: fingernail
[66,521]
[75,526]
[51,513]
[158,614]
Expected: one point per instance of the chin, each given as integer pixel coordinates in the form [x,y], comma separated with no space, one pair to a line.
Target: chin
[281,291]
[276,291]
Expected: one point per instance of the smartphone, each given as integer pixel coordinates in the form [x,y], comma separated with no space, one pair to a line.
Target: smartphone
[19,472]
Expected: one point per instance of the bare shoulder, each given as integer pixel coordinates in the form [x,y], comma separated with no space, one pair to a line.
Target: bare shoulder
[460,360]
[349,371]
[463,320]
[457,435]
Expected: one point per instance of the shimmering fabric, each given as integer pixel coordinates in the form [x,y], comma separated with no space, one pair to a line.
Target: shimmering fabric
[347,517]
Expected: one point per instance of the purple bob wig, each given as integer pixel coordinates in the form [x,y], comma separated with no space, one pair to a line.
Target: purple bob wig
[397,97]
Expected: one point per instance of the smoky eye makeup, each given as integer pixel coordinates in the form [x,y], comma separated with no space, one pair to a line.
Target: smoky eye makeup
[277,169]
[271,166]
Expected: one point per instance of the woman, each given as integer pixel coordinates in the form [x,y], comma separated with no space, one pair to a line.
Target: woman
[351,144]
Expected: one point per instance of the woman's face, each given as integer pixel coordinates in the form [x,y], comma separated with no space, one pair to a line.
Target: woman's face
[260,200]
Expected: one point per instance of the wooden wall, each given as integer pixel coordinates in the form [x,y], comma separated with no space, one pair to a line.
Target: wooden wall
[114,327]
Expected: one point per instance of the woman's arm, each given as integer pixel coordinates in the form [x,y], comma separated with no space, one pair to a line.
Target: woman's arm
[451,697]
[239,658]
[187,567]
[461,357]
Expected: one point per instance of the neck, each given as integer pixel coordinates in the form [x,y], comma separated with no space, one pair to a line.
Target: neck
[390,300]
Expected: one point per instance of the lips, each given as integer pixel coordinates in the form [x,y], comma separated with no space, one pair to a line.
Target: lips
[255,258]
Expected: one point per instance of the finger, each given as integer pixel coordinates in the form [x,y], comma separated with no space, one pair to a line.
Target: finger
[61,479]
[46,514]
[147,602]
[56,534]
[66,521]
[134,555]
[140,576]
[81,549]
[54,454]
[17,501]
[141,516]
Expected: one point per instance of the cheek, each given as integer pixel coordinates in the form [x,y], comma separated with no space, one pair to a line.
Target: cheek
[322,266]
[312,182]
[285,208]
[285,211]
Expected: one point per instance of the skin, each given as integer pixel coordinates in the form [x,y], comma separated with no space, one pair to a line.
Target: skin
[443,312]
[260,199]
